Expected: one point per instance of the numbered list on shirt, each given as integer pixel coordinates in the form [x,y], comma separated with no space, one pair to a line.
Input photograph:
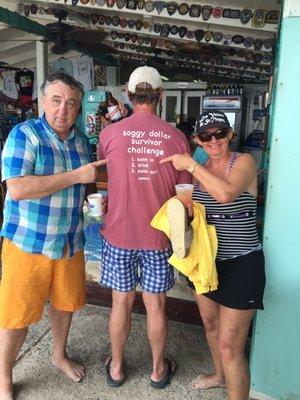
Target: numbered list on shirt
[144,148]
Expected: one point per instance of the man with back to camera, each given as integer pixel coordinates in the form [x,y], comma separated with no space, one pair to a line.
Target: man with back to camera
[46,164]
[137,187]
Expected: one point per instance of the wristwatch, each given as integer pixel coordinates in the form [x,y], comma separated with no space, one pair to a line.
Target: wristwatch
[191,169]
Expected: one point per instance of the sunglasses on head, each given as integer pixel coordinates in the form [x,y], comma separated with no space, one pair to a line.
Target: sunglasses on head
[219,134]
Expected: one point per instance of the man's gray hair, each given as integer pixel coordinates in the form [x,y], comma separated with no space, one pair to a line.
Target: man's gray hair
[64,78]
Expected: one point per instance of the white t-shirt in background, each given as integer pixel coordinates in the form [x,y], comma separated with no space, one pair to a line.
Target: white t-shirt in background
[83,71]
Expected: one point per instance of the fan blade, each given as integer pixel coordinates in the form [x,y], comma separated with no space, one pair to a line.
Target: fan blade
[87,36]
[99,48]
[60,48]
[158,63]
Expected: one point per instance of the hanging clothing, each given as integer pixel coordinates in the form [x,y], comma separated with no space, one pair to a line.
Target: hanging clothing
[24,80]
[62,65]
[9,87]
[199,266]
[83,68]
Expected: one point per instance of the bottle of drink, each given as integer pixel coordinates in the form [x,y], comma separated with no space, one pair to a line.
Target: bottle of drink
[113,108]
[228,91]
[208,90]
[221,89]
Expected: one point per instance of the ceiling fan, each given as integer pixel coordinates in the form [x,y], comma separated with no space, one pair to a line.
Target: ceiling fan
[64,36]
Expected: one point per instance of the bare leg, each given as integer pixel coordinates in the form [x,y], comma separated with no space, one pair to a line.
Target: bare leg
[119,329]
[11,341]
[209,311]
[234,326]
[60,324]
[157,329]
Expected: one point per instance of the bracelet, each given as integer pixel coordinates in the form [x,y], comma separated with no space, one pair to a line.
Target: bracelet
[191,169]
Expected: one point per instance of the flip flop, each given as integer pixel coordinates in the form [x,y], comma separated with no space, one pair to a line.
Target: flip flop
[167,379]
[110,380]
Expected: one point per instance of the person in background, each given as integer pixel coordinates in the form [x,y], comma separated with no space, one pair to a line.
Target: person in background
[199,154]
[227,186]
[137,187]
[111,110]
[46,164]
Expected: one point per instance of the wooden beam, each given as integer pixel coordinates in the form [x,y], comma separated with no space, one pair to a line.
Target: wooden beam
[30,60]
[20,58]
[14,43]
[2,27]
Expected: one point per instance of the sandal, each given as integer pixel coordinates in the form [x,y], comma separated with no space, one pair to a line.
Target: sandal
[110,380]
[167,379]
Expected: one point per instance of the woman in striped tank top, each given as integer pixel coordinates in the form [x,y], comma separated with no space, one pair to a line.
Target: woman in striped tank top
[227,186]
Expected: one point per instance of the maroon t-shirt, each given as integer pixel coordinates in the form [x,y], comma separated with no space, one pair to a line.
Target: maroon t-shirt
[137,184]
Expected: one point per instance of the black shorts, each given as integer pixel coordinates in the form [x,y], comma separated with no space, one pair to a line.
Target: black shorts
[241,282]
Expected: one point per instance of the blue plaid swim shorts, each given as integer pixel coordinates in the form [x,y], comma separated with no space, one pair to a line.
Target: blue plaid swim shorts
[123,269]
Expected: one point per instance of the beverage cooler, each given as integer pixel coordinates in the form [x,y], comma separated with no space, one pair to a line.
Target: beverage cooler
[90,105]
[232,106]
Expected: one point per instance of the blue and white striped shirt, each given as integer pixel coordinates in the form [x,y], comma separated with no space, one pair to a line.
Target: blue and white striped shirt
[52,225]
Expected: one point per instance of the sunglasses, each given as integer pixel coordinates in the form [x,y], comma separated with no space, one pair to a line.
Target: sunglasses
[219,134]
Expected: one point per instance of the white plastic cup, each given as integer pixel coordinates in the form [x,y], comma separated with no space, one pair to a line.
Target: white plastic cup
[95,204]
[114,113]
[184,193]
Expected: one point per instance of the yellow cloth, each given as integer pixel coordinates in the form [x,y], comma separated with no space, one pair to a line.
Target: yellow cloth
[199,266]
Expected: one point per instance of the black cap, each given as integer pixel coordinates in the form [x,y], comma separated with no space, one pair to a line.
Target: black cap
[211,119]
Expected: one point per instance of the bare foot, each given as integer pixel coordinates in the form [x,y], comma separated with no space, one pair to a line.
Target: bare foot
[204,381]
[70,368]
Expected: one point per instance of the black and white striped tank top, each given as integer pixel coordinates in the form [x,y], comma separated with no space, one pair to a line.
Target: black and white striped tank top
[235,222]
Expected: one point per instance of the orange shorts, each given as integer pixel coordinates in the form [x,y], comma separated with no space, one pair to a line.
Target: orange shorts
[28,280]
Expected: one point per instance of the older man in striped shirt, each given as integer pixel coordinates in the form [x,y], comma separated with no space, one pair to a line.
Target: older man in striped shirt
[46,164]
